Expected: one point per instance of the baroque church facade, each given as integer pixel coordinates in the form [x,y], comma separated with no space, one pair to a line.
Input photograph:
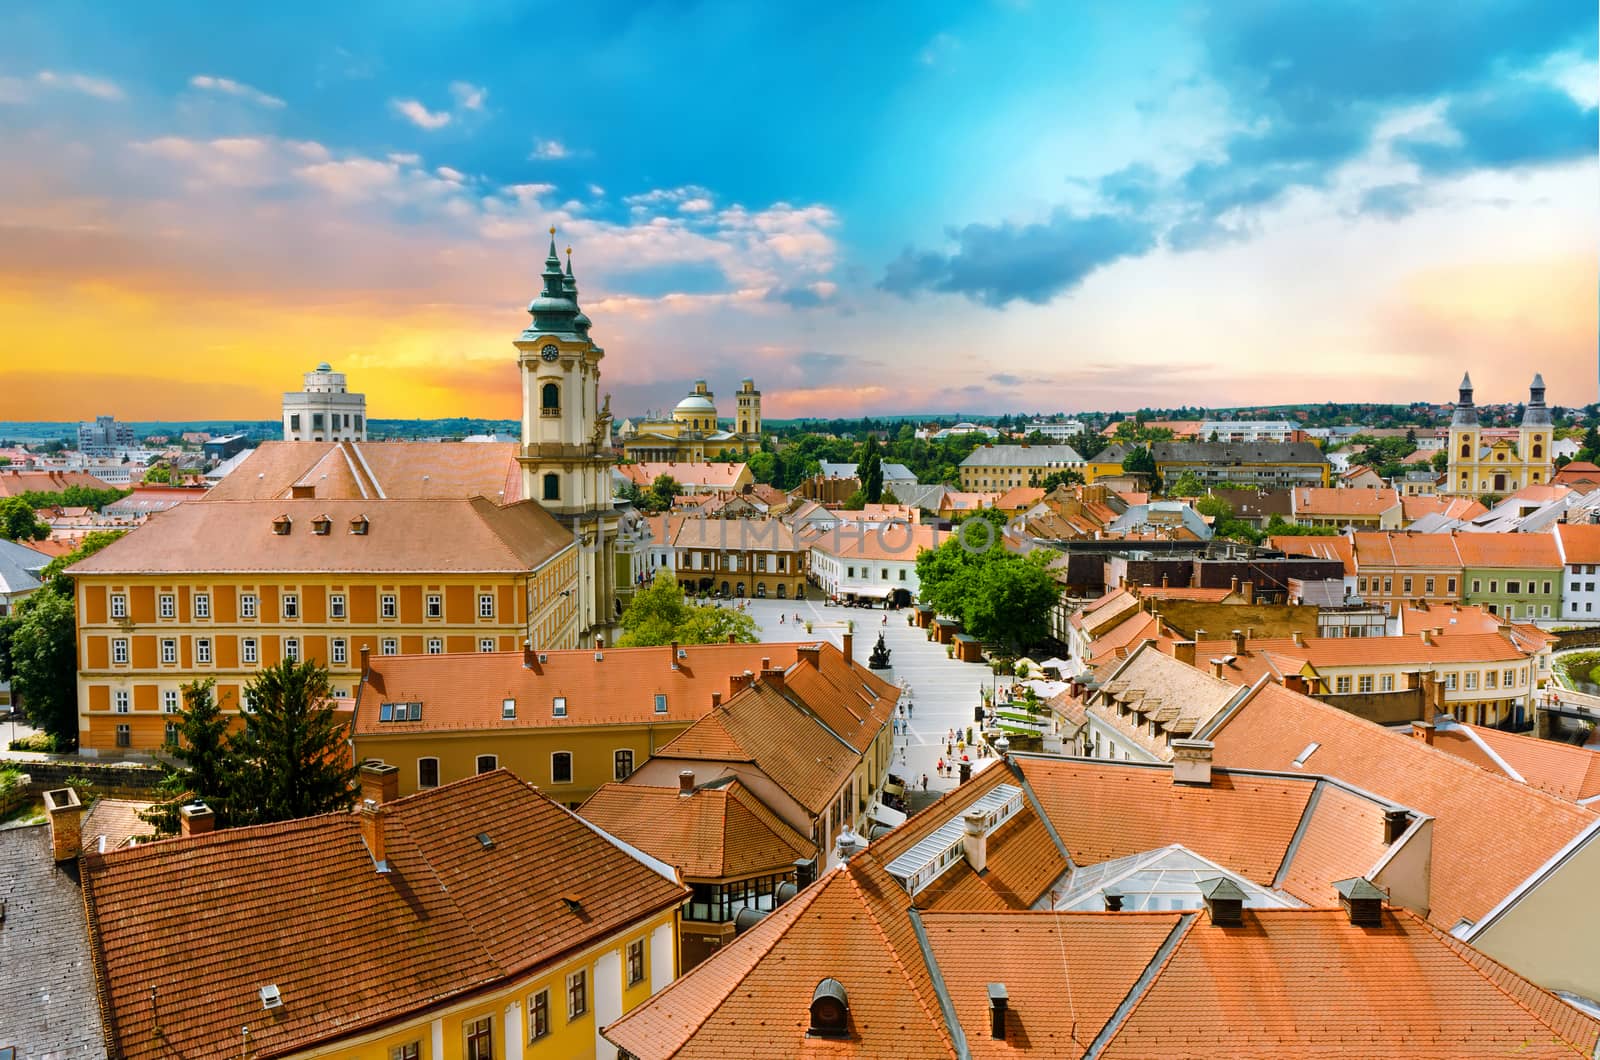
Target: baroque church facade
[1498,461]
[693,432]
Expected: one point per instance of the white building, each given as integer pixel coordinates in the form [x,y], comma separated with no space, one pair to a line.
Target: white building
[1579,546]
[104,436]
[325,411]
[853,560]
[1056,432]
[1248,430]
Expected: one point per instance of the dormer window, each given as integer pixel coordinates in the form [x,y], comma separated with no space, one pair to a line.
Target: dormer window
[508,708]
[830,1011]
[358,525]
[282,524]
[321,525]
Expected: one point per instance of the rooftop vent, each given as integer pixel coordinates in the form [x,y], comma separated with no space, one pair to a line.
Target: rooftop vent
[1311,749]
[485,841]
[359,525]
[999,1001]
[271,996]
[572,902]
[1113,899]
[1224,900]
[830,1011]
[321,525]
[1361,900]
[686,782]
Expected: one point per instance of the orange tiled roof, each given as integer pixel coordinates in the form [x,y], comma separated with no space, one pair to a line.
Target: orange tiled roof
[402,535]
[1414,508]
[186,931]
[1580,542]
[712,474]
[712,833]
[1326,652]
[888,542]
[467,691]
[116,821]
[1338,548]
[15,483]
[1507,550]
[1563,769]
[1019,497]
[736,535]
[1476,859]
[1327,501]
[1408,550]
[370,470]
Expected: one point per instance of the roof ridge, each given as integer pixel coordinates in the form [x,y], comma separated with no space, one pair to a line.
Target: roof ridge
[894,951]
[1141,986]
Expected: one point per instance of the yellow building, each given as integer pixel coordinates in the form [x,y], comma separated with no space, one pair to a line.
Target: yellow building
[221,589]
[478,920]
[1266,465]
[1107,463]
[692,432]
[997,468]
[1487,462]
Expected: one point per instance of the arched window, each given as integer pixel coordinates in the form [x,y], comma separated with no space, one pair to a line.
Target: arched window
[550,398]
[1538,451]
[1466,450]
[552,486]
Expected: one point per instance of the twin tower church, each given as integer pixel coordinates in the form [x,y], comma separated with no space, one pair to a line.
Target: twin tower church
[1499,460]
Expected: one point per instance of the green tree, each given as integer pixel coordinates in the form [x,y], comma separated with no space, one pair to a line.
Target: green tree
[659,614]
[1139,460]
[291,759]
[1441,462]
[661,492]
[1276,527]
[1187,485]
[869,471]
[1061,478]
[1231,529]
[763,466]
[1215,507]
[999,596]
[203,761]
[18,523]
[855,502]
[40,660]
[54,574]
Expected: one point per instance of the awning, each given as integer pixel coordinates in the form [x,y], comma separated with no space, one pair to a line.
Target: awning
[894,789]
[871,592]
[884,815]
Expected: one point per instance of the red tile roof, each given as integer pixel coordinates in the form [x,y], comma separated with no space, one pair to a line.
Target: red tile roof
[15,483]
[187,931]
[1580,542]
[1338,548]
[1507,550]
[712,833]
[713,475]
[1327,501]
[1563,769]
[370,470]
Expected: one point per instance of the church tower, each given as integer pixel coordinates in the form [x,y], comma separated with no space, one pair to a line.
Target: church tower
[1462,472]
[1534,437]
[748,422]
[566,435]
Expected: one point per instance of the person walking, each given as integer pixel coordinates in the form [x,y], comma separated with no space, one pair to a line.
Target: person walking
[939,768]
[924,782]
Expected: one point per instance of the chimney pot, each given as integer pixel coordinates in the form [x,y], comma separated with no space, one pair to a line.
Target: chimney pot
[66,822]
[599,644]
[1423,730]
[1216,669]
[196,819]
[1299,639]
[1191,762]
[1183,651]
[999,1001]
[716,700]
[380,782]
[686,782]
[973,841]
[1238,641]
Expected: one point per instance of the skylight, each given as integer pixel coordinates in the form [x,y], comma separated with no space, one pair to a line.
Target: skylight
[1311,749]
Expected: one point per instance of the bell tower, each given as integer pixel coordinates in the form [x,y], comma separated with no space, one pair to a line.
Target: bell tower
[1534,436]
[566,435]
[748,422]
[1462,473]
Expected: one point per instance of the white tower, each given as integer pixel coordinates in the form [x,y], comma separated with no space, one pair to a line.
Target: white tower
[325,411]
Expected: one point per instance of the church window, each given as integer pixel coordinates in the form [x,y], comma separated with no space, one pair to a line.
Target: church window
[550,399]
[1466,450]
[1538,450]
[552,487]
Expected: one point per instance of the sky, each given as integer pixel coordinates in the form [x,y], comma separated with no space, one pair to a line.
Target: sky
[872,208]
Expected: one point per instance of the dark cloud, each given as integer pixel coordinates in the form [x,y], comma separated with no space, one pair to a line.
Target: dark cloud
[1524,125]
[1006,379]
[1132,187]
[997,264]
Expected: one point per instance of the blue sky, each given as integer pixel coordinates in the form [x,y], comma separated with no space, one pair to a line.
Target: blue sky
[870,208]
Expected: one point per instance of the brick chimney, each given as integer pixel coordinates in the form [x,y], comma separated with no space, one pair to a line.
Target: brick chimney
[366,660]
[772,675]
[1191,762]
[380,782]
[686,782]
[1183,651]
[196,819]
[810,654]
[1395,823]
[739,682]
[1248,590]
[847,646]
[716,700]
[1238,641]
[370,814]
[1423,730]
[673,658]
[973,842]
[1199,635]
[1216,669]
[66,822]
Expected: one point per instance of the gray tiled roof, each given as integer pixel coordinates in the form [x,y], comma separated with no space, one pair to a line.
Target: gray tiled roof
[48,1006]
[1023,456]
[1237,453]
[19,567]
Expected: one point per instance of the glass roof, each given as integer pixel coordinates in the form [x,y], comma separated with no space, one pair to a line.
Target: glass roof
[1162,879]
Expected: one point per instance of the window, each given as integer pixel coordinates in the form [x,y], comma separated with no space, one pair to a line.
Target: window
[119,651]
[480,1038]
[244,702]
[508,708]
[621,765]
[390,646]
[552,486]
[1508,678]
[1361,585]
[247,649]
[1490,678]
[902,574]
[1471,681]
[435,646]
[1450,586]
[435,605]
[486,605]
[119,605]
[661,703]
[291,605]
[247,605]
[635,962]
[486,644]
[387,606]
[1364,683]
[119,701]
[1405,586]
[558,707]
[427,772]
[169,701]
[336,605]
[411,1051]
[1427,586]
[169,652]
[561,767]
[1388,586]
[341,651]
[1341,684]
[1494,585]
[538,1015]
[1476,586]
[169,605]
[291,649]
[171,732]
[488,763]
[550,399]
[577,995]
[202,605]
[1386,683]
[1547,588]
[1515,587]
[124,736]
[1450,682]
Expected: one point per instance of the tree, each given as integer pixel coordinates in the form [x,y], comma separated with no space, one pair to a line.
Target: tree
[855,502]
[1139,461]
[869,472]
[18,523]
[54,574]
[291,759]
[659,614]
[204,764]
[40,660]
[1215,507]
[1061,478]
[889,497]
[763,466]
[1230,529]
[1441,462]
[1000,597]
[1187,485]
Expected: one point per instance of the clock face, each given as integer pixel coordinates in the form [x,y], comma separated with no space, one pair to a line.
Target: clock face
[550,352]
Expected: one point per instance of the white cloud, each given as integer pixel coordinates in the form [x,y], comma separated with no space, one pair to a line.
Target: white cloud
[526,193]
[550,150]
[13,90]
[454,176]
[596,190]
[98,87]
[234,162]
[695,206]
[229,87]
[420,116]
[468,96]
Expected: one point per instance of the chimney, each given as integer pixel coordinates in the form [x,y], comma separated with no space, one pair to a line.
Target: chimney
[1248,588]
[731,640]
[1234,585]
[1191,762]
[1427,637]
[196,819]
[1183,651]
[1224,901]
[766,663]
[1395,823]
[686,782]
[1238,641]
[739,682]
[1199,635]
[1113,899]
[599,644]
[66,822]
[998,1002]
[1362,901]
[371,816]
[1296,683]
[1216,669]
[1299,639]
[1422,730]
[772,675]
[380,782]
[973,842]
[366,660]
[810,654]
[529,656]
[716,700]
[805,872]
[847,644]
[673,658]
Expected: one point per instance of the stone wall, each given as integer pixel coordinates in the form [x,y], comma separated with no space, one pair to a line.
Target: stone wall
[119,779]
